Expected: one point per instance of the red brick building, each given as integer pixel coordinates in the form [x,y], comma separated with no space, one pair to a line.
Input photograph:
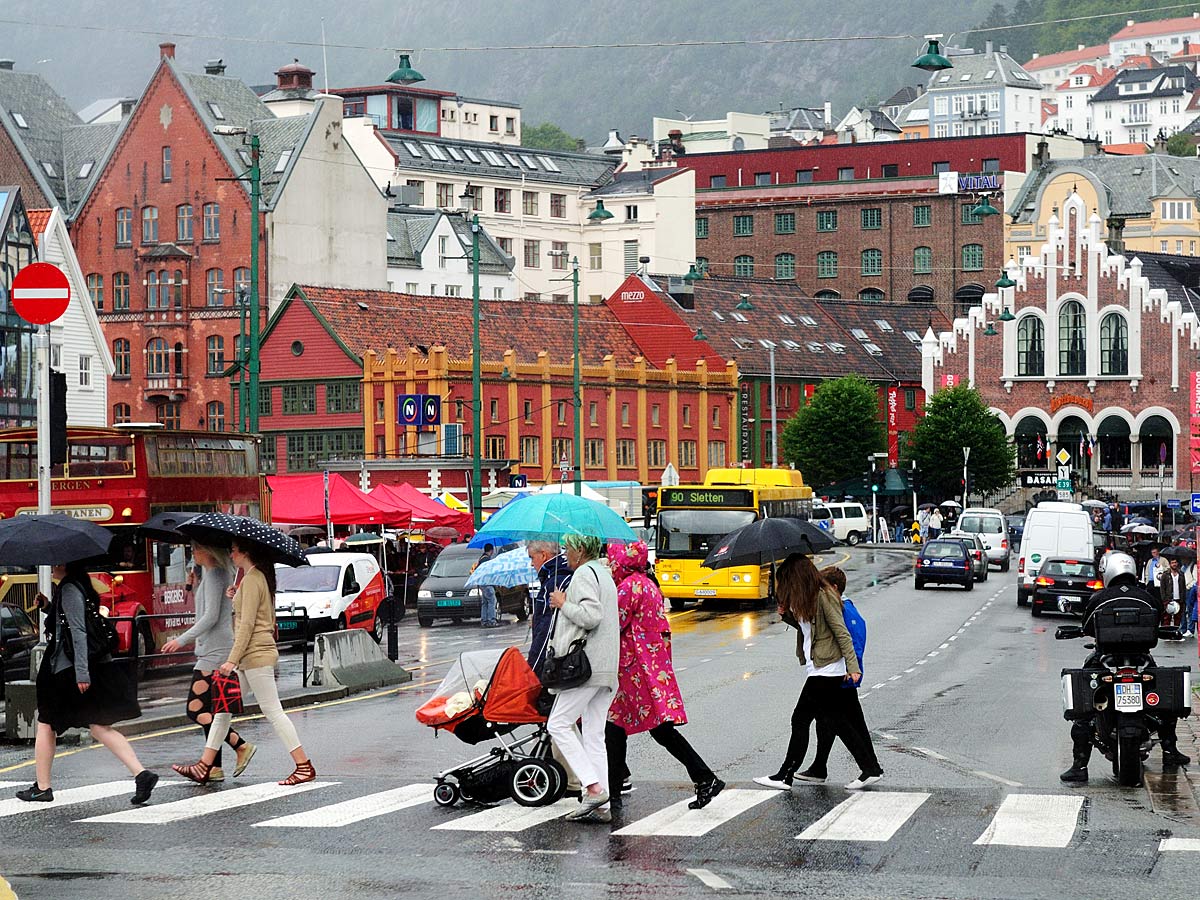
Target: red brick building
[1100,361]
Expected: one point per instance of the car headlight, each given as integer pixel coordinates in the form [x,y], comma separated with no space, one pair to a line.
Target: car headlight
[474,592]
[424,595]
[735,579]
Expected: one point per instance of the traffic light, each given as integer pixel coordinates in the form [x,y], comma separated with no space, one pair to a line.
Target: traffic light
[878,480]
[58,418]
[866,482]
[970,482]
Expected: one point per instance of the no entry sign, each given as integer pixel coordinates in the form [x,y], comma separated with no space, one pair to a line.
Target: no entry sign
[40,293]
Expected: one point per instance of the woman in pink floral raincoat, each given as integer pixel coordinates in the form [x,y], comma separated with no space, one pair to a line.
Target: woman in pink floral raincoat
[648,696]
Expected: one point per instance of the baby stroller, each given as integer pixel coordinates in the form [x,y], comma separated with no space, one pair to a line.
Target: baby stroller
[489,695]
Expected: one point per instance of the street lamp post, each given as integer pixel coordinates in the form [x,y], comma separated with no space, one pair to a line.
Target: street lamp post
[255,200]
[476,378]
[774,413]
[577,380]
[966,456]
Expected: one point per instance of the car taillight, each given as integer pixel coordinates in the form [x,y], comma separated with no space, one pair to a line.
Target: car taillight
[1021,566]
[1045,582]
[978,554]
[1095,584]
[1003,544]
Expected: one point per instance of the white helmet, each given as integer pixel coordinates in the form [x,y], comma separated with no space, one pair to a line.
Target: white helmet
[1116,564]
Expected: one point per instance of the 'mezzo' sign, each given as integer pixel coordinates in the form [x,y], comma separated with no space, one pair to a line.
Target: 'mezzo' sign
[632,296]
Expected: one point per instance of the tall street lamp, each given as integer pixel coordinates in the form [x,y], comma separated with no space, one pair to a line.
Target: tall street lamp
[467,201]
[577,385]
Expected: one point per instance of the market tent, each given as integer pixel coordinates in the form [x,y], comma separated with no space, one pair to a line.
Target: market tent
[300,500]
[425,510]
[448,499]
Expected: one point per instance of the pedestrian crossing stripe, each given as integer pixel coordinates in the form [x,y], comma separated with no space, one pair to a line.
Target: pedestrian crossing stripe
[509,818]
[206,804]
[68,796]
[679,821]
[1175,845]
[1033,820]
[359,809]
[875,816]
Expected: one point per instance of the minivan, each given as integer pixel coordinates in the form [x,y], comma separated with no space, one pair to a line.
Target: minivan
[334,591]
[1052,528]
[444,593]
[846,521]
[991,528]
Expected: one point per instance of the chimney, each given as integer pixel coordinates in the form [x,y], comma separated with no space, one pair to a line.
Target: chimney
[294,76]
[987,46]
[1160,142]
[614,144]
[580,145]
[1129,23]
[1036,55]
[127,106]
[1116,235]
[214,67]
[6,65]
[1042,155]
[166,50]
[1080,46]
[828,115]
[1004,48]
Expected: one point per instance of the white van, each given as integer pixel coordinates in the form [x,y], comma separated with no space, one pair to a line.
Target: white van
[847,522]
[989,525]
[334,591]
[1051,529]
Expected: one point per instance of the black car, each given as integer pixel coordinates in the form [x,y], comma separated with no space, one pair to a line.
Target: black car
[444,593]
[18,637]
[944,562]
[1064,585]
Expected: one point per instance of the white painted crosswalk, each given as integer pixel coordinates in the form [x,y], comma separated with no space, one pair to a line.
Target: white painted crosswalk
[1034,820]
[509,817]
[679,821]
[69,796]
[338,815]
[207,804]
[875,816]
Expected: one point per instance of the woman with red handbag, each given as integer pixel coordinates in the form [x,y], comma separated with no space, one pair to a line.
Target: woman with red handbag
[254,655]
[212,635]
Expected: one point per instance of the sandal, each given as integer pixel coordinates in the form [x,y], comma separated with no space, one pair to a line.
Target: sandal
[304,772]
[197,772]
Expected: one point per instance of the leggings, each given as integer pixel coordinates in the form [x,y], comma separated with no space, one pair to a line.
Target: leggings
[668,737]
[262,683]
[199,710]
[822,698]
[826,731]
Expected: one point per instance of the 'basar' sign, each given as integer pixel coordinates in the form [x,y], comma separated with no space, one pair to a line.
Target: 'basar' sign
[41,293]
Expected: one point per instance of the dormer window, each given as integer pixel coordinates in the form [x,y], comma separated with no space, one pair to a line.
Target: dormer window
[216,111]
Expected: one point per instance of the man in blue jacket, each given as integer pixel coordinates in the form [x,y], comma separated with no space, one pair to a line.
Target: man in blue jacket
[554,575]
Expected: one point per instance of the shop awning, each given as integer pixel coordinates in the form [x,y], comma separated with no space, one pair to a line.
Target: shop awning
[300,500]
[425,510]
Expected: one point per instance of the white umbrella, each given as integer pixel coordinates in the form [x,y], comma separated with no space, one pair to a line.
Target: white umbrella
[952,503]
[1144,529]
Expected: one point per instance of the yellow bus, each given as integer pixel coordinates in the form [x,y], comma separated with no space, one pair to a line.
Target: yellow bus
[692,519]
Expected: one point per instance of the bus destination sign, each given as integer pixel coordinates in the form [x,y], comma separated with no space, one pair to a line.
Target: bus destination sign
[705,497]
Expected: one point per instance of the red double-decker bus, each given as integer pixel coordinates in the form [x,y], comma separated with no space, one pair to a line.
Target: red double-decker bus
[119,478]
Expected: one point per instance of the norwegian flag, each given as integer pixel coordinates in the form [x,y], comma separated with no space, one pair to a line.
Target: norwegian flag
[1091,447]
[1041,448]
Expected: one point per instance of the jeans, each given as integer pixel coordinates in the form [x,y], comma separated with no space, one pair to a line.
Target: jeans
[487,608]
[584,750]
[1190,606]
[668,737]
[822,698]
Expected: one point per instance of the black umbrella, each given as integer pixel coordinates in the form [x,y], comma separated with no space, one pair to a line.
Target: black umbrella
[50,540]
[220,529]
[766,541]
[1183,554]
[164,527]
[927,506]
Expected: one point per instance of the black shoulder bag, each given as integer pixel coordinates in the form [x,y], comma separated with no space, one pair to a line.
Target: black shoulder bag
[570,670]
[101,635]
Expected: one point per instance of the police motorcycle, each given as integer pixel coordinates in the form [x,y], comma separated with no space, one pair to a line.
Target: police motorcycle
[1120,688]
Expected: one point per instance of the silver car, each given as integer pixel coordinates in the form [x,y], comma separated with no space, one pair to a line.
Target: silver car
[976,549]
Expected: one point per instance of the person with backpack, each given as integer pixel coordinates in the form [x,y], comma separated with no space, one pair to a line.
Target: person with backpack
[826,651]
[79,685]
[818,771]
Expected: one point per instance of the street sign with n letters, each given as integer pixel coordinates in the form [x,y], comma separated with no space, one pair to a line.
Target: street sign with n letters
[409,412]
[431,409]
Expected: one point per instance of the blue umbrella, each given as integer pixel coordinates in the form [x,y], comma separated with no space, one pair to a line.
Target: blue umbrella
[508,569]
[553,516]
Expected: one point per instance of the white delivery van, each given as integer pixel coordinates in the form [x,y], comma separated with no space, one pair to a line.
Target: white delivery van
[991,528]
[1051,529]
[847,522]
[334,591]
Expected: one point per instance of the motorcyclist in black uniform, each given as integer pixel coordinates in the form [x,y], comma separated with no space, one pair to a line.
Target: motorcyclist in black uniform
[1119,572]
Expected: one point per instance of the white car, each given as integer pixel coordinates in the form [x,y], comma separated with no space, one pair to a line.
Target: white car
[989,526]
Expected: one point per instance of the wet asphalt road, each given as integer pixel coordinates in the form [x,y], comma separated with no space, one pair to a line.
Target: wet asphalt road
[961,692]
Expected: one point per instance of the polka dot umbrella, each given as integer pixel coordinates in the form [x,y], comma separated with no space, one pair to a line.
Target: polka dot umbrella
[221,529]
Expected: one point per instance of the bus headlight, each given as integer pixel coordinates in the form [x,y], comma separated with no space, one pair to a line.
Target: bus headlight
[735,578]
[675,577]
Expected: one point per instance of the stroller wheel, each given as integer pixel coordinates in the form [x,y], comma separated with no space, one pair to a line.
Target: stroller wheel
[446,794]
[560,781]
[533,783]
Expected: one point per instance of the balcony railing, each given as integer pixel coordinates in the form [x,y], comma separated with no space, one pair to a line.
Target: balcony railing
[165,384]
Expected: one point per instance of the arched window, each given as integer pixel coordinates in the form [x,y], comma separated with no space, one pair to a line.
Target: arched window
[1113,436]
[120,290]
[827,295]
[179,360]
[216,416]
[124,226]
[1031,346]
[827,264]
[158,358]
[1072,340]
[121,358]
[170,415]
[1026,435]
[1073,437]
[149,224]
[743,266]
[1157,441]
[922,293]
[972,257]
[212,221]
[215,354]
[872,262]
[121,413]
[241,283]
[785,265]
[151,290]
[178,289]
[214,281]
[183,223]
[922,260]
[1114,345]
[871,295]
[95,287]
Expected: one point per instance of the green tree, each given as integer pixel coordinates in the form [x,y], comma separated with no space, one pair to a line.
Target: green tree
[956,418]
[547,136]
[831,438]
[1181,144]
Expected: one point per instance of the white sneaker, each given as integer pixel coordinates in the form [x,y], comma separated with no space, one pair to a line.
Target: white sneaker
[772,782]
[863,780]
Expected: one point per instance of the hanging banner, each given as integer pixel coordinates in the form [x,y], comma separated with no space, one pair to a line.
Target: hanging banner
[746,420]
[949,380]
[893,399]
[1194,431]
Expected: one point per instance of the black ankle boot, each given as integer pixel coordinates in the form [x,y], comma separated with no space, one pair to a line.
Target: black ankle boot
[1077,774]
[1172,757]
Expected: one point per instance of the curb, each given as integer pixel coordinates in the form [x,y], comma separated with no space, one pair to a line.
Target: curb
[148,724]
[899,548]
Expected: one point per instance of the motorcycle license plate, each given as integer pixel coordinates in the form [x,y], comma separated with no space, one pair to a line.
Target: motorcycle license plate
[1128,697]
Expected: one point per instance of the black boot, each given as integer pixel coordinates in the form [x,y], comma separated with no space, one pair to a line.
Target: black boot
[1171,755]
[1077,774]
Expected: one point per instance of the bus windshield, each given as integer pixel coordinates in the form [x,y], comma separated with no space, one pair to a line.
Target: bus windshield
[693,533]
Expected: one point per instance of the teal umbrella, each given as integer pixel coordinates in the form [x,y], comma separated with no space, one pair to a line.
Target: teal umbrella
[553,516]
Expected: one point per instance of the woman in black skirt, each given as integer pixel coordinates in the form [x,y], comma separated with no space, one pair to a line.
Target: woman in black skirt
[74,691]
